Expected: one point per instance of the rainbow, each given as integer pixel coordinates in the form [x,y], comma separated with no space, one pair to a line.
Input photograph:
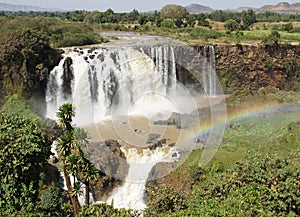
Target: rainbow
[212,134]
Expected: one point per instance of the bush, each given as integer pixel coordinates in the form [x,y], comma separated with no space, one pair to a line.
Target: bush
[271,39]
[78,39]
[24,149]
[105,210]
[51,202]
[164,199]
[287,27]
[167,23]
[264,185]
[231,25]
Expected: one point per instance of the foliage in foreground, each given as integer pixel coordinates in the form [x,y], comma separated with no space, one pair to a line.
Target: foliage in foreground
[105,210]
[263,185]
[23,150]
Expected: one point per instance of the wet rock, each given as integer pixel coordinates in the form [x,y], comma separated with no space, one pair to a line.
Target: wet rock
[160,122]
[174,155]
[172,144]
[111,161]
[157,144]
[152,137]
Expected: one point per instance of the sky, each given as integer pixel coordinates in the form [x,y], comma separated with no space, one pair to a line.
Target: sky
[140,5]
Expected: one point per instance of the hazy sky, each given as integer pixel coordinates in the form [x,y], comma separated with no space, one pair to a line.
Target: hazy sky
[140,5]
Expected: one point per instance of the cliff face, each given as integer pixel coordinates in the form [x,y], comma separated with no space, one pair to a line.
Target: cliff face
[241,66]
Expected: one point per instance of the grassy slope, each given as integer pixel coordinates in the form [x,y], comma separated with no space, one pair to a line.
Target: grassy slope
[276,134]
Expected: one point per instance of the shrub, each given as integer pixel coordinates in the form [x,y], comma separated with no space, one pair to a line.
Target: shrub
[164,199]
[167,23]
[231,25]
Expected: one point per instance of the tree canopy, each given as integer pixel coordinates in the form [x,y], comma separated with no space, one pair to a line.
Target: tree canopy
[23,150]
[26,57]
[174,12]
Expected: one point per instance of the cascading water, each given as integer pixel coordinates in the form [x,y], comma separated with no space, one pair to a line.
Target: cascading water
[131,193]
[209,69]
[104,82]
[102,79]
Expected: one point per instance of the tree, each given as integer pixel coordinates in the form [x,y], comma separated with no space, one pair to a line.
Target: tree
[201,20]
[143,19]
[218,15]
[74,162]
[248,18]
[76,190]
[109,16]
[133,16]
[23,150]
[93,17]
[65,115]
[231,25]
[175,12]
[26,57]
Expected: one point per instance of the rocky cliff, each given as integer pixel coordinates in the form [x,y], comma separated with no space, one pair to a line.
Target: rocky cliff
[240,66]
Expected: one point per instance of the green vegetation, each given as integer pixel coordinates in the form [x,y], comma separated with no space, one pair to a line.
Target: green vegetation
[77,28]
[25,58]
[255,172]
[24,150]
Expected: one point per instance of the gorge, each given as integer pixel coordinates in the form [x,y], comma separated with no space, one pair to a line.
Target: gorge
[127,88]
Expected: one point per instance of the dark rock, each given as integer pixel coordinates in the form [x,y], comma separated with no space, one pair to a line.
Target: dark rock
[152,137]
[157,144]
[172,144]
[174,154]
[160,122]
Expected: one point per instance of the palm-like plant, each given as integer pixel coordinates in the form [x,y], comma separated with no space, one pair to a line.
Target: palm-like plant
[76,190]
[81,138]
[71,165]
[65,114]
[65,143]
[89,174]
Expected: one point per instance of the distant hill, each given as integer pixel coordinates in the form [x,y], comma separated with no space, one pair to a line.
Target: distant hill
[282,8]
[199,9]
[240,9]
[27,8]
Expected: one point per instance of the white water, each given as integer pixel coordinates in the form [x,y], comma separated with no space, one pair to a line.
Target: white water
[209,68]
[111,81]
[131,193]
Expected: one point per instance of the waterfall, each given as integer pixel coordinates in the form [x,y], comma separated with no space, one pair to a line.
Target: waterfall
[164,59]
[209,77]
[103,80]
[131,193]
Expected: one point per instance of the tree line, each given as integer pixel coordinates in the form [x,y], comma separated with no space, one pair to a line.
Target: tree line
[155,17]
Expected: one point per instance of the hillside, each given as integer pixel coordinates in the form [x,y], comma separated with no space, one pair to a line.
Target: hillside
[27,8]
[282,8]
[199,9]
